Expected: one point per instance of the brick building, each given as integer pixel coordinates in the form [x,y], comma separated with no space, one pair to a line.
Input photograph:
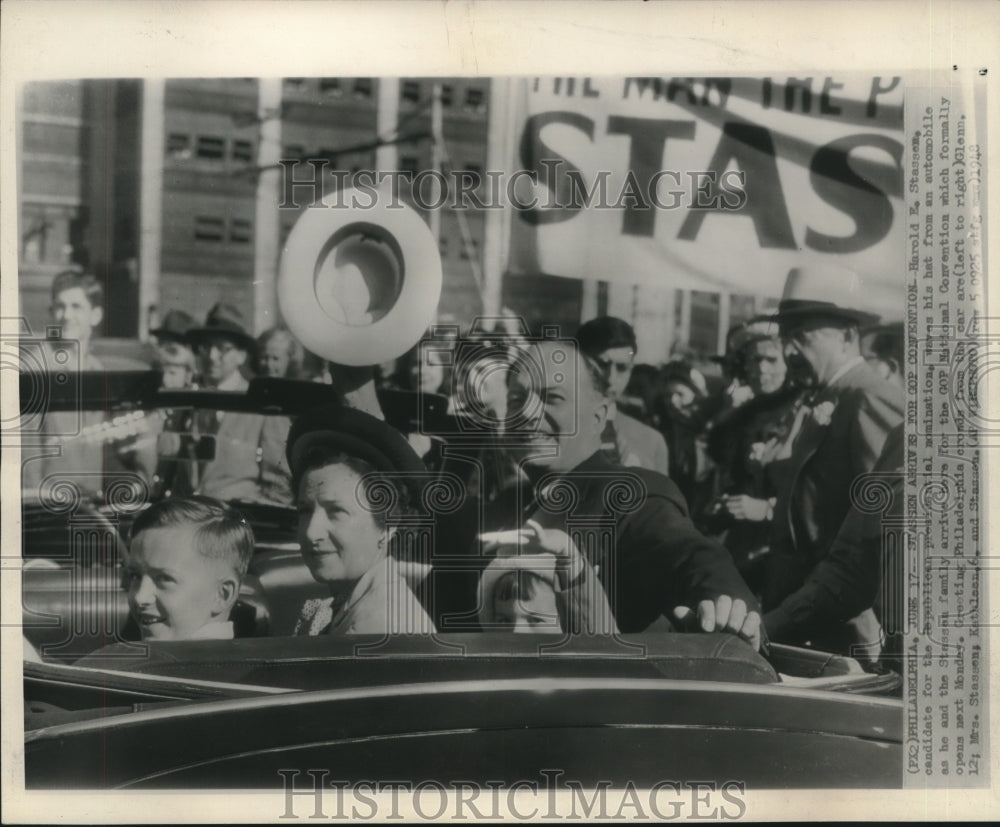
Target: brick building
[82,151]
[154,186]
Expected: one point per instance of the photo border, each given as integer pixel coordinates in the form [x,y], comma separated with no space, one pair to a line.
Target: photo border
[52,38]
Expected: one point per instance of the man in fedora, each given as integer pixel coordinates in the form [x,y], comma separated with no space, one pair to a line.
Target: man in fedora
[223,347]
[249,459]
[851,412]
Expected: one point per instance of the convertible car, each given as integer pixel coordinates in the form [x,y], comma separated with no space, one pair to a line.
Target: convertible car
[458,705]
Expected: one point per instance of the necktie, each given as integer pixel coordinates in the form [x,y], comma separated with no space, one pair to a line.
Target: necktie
[206,423]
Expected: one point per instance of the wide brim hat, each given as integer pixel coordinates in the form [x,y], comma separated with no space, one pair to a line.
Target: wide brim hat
[356,434]
[542,565]
[831,292]
[225,321]
[359,286]
[174,328]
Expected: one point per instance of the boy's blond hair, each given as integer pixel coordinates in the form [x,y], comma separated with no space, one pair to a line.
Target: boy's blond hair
[222,532]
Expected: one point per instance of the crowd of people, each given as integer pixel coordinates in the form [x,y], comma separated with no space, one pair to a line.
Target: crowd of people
[618,496]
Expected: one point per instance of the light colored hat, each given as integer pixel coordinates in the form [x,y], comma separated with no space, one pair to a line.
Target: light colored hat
[830,290]
[359,286]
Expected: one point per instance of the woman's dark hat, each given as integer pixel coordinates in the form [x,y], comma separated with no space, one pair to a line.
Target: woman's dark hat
[683,372]
[743,335]
[225,321]
[175,327]
[354,433]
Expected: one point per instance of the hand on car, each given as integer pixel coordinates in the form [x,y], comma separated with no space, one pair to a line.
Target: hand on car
[745,507]
[722,615]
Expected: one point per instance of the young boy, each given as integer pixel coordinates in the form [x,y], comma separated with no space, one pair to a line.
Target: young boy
[540,583]
[186,561]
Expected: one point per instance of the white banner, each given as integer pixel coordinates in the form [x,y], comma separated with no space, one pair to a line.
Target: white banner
[718,184]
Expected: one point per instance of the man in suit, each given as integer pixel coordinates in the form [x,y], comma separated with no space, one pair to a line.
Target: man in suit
[611,343]
[840,438]
[632,524]
[843,603]
[249,461]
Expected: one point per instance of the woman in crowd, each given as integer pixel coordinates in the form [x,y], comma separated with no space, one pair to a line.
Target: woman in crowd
[350,476]
[745,446]
[280,354]
[683,415]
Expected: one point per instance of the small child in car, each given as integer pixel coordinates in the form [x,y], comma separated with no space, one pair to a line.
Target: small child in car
[540,583]
[186,561]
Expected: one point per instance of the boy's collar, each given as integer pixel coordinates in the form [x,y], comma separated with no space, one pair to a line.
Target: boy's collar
[216,630]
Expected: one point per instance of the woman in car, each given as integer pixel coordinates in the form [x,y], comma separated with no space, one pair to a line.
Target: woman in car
[353,478]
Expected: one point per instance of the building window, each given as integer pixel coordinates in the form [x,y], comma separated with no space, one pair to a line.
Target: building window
[470,249]
[208,228]
[411,91]
[475,99]
[363,88]
[293,152]
[473,173]
[330,86]
[48,234]
[295,84]
[239,231]
[242,151]
[178,145]
[34,236]
[447,95]
[409,163]
[211,147]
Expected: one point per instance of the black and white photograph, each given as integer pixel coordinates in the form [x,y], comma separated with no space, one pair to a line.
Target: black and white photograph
[542,440]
